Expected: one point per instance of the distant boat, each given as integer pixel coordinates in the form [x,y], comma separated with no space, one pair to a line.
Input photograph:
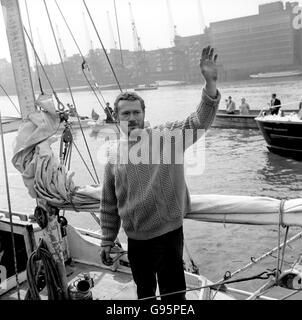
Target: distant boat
[238,121]
[289,73]
[235,121]
[142,87]
[283,135]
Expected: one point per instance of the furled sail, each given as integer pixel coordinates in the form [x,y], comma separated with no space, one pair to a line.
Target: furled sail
[45,178]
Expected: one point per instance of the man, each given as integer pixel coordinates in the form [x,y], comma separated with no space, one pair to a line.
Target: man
[275,104]
[244,108]
[109,113]
[230,106]
[151,199]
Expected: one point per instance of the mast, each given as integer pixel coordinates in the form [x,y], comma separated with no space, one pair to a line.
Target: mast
[19,56]
[14,28]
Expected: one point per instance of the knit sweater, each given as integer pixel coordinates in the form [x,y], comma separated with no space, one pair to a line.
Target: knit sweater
[151,198]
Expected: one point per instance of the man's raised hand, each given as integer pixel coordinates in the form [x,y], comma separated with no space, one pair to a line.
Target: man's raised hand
[208,65]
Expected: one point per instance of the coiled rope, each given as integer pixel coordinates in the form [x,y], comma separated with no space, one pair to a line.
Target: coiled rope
[51,273]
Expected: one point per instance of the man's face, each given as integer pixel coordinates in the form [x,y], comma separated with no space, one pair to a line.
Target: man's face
[130,115]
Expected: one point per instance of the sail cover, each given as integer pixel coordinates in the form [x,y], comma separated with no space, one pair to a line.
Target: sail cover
[45,178]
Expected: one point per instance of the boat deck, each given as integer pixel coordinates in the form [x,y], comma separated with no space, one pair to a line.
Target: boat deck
[108,285]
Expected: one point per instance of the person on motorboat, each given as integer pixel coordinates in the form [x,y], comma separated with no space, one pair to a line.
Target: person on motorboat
[150,199]
[275,104]
[109,113]
[244,108]
[230,106]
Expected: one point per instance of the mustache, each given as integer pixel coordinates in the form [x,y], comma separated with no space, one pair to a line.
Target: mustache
[132,123]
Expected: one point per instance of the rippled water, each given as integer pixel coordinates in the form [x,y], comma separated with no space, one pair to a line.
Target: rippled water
[237,162]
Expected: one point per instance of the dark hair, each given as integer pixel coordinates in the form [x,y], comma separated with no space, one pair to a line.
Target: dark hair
[128,96]
[274,95]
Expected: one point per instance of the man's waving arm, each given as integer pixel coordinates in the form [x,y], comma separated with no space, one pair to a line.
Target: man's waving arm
[206,110]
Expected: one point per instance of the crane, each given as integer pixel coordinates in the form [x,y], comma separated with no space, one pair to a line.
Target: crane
[63,51]
[89,41]
[42,47]
[201,16]
[142,69]
[113,42]
[172,26]
[136,38]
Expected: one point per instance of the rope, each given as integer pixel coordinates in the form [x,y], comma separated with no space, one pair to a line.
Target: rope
[290,295]
[284,246]
[32,38]
[97,33]
[194,266]
[118,33]
[84,63]
[52,278]
[10,99]
[262,276]
[61,106]
[269,253]
[280,224]
[9,209]
[70,91]
[84,162]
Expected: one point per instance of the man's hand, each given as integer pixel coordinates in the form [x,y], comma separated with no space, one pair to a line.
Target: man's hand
[105,256]
[209,69]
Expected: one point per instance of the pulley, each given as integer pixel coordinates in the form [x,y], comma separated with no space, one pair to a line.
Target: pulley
[41,217]
[292,278]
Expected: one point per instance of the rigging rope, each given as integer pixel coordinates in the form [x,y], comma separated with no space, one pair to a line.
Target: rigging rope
[269,253]
[10,99]
[262,276]
[70,91]
[61,106]
[85,65]
[118,32]
[280,224]
[84,162]
[32,38]
[9,209]
[97,33]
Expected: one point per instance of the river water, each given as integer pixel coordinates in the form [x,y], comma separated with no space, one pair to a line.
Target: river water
[237,162]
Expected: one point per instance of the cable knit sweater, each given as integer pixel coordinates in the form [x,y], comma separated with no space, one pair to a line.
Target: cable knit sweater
[151,199]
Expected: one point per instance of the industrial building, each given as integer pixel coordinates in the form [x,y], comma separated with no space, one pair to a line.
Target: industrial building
[264,42]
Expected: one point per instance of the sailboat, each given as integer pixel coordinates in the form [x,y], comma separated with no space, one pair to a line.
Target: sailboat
[70,255]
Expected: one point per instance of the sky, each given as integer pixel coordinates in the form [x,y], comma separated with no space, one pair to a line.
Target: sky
[152,20]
